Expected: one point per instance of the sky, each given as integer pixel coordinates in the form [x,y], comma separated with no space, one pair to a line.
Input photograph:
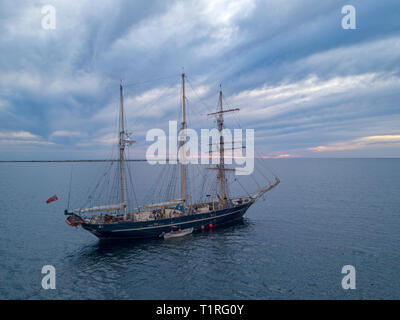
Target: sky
[308,87]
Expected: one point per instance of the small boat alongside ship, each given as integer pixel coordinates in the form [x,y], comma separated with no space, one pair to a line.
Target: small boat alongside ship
[171,218]
[177,234]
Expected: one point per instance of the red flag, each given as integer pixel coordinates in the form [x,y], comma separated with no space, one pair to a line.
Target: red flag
[53,198]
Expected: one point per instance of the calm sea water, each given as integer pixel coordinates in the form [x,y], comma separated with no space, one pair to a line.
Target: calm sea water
[325,214]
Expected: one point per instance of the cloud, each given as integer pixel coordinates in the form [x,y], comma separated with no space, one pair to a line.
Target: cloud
[214,23]
[274,101]
[379,54]
[42,84]
[109,139]
[17,134]
[66,133]
[299,79]
[25,142]
[359,143]
[19,138]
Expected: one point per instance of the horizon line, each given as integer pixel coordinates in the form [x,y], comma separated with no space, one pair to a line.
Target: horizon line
[144,160]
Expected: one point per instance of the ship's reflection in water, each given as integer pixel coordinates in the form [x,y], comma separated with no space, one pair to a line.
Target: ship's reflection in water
[151,268]
[106,250]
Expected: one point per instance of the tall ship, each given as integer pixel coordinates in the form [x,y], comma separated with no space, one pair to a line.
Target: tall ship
[117,220]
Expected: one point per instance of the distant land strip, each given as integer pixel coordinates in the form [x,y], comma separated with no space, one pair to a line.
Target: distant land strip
[68,160]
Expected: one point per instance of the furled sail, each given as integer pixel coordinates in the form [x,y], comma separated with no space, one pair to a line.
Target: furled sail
[162,204]
[110,207]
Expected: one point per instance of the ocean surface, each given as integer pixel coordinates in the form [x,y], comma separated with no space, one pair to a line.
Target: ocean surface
[325,214]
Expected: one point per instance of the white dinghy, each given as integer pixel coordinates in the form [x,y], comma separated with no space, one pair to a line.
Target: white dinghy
[179,233]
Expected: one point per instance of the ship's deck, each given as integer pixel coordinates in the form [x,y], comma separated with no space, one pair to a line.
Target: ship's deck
[165,212]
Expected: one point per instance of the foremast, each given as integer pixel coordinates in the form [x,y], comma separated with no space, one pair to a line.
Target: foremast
[221,166]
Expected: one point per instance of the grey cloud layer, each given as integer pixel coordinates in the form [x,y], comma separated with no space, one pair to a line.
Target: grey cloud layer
[300,79]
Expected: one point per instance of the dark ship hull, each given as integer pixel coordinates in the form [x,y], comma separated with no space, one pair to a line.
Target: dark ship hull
[156,228]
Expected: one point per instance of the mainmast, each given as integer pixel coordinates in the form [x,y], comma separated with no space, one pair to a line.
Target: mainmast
[183,140]
[121,154]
